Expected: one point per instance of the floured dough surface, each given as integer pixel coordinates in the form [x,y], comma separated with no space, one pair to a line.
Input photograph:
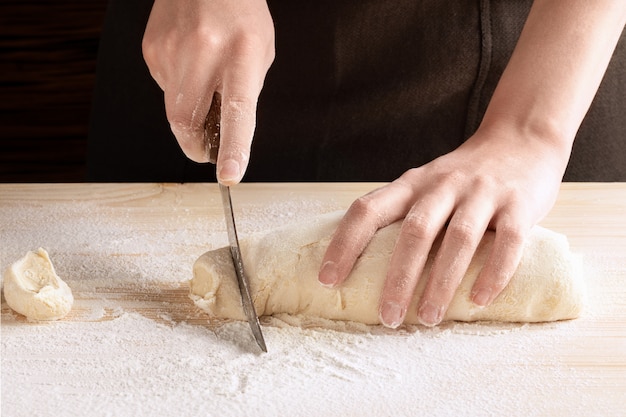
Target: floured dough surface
[33,289]
[282,267]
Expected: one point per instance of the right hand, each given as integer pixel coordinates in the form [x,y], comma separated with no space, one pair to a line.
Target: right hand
[194,48]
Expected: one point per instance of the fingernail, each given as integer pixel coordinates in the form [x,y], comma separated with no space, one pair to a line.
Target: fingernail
[482,297]
[229,171]
[328,275]
[429,314]
[391,314]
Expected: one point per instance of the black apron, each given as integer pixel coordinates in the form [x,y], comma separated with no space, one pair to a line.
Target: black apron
[360,90]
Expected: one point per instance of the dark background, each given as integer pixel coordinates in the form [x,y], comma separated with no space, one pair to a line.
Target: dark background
[47,70]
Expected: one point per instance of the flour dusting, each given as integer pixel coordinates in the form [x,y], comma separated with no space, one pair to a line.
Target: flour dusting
[135,345]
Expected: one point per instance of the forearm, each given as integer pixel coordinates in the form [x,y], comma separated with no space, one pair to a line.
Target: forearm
[556,68]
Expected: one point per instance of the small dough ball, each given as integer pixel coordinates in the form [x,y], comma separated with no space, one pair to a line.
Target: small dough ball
[32,288]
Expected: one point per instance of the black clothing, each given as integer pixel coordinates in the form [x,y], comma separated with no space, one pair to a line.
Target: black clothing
[360,90]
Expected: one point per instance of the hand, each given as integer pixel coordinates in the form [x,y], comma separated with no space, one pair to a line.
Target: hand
[194,48]
[498,179]
[505,177]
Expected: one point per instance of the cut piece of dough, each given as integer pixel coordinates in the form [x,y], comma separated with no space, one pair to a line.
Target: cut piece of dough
[33,289]
[282,267]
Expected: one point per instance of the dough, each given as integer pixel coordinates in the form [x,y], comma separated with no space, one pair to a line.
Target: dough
[32,288]
[282,267]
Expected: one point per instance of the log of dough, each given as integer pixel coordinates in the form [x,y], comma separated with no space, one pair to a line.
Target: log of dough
[282,267]
[33,288]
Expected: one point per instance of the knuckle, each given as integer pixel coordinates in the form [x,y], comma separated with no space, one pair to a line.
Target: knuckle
[185,130]
[155,47]
[408,178]
[208,39]
[253,40]
[238,109]
[238,102]
[248,47]
[181,123]
[365,208]
[247,42]
[184,115]
[486,183]
[149,51]
[419,226]
[461,232]
[449,178]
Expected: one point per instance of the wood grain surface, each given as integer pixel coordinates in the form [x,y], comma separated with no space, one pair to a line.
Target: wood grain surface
[593,216]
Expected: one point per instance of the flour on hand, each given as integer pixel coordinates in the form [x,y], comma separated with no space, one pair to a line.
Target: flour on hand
[33,289]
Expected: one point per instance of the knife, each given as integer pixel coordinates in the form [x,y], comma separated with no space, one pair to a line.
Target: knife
[212,143]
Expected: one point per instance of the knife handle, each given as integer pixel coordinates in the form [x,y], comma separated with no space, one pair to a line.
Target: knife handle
[212,128]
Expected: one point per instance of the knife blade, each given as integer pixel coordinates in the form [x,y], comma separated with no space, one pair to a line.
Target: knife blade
[242,280]
[212,143]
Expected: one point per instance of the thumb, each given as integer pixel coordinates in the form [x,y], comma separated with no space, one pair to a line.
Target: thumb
[238,121]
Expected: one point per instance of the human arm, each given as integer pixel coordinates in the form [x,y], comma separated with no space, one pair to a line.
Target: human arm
[194,48]
[505,177]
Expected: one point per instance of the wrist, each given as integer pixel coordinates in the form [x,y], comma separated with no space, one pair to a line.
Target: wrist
[534,125]
[542,136]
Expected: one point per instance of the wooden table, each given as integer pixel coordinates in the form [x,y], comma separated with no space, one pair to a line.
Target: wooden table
[128,248]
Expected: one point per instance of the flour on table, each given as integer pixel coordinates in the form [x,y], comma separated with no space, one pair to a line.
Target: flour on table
[33,288]
[282,266]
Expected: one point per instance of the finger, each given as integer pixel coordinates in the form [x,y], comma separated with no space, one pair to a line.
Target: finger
[461,238]
[365,216]
[186,107]
[240,92]
[419,230]
[503,259]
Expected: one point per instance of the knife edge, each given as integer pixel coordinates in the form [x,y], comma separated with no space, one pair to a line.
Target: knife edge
[242,280]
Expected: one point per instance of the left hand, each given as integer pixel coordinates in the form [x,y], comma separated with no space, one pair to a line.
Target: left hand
[502,178]
[505,177]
